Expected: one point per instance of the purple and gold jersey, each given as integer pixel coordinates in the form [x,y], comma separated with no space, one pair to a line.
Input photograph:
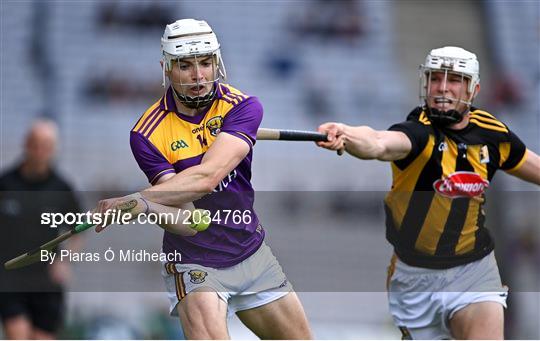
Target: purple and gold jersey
[165,141]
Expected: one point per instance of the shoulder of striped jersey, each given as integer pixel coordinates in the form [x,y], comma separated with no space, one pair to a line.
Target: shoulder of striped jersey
[422,118]
[147,118]
[232,95]
[485,120]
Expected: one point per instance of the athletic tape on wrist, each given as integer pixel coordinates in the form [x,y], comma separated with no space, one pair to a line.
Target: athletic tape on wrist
[147,206]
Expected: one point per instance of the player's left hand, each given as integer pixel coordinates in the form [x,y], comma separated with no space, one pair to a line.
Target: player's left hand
[132,204]
[335,132]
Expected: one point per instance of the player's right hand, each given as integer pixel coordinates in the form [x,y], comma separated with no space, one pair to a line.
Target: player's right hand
[335,132]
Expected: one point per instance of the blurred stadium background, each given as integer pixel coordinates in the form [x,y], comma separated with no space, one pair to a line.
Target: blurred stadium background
[94,67]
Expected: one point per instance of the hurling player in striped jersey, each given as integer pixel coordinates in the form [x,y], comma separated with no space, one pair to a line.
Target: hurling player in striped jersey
[443,279]
[195,144]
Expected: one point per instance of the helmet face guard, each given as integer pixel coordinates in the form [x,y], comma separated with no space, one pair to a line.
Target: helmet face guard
[453,62]
[179,88]
[191,39]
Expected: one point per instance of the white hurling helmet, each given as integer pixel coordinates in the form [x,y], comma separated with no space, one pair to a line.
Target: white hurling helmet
[449,59]
[190,38]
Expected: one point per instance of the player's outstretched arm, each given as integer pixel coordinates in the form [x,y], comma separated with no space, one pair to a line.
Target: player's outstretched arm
[530,169]
[366,143]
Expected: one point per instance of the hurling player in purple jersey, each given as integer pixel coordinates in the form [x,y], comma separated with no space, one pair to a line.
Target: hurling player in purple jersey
[443,279]
[195,145]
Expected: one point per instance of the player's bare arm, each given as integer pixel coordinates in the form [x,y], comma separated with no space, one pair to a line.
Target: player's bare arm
[222,157]
[173,192]
[530,170]
[135,204]
[366,143]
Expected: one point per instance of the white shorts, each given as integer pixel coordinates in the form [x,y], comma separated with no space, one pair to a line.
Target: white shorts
[254,282]
[422,301]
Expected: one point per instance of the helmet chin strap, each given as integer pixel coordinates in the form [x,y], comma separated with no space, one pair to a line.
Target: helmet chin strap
[445,118]
[195,102]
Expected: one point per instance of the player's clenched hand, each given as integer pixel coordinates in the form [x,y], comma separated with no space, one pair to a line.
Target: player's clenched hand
[131,205]
[335,132]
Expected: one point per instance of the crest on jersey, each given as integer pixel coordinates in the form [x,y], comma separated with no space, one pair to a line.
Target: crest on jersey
[443,146]
[461,185]
[197,276]
[214,125]
[484,154]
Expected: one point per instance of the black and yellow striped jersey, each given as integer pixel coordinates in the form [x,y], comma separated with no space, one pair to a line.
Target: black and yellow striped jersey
[434,211]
